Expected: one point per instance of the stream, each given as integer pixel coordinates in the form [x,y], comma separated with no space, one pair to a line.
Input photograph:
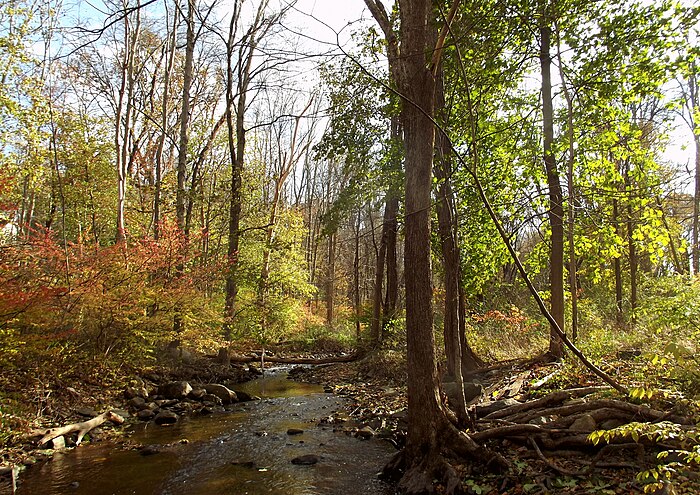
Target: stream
[244,451]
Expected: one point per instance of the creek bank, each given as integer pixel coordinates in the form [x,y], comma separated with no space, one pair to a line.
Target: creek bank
[248,445]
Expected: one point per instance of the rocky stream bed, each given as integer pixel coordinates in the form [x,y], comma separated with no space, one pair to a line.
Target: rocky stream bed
[289,438]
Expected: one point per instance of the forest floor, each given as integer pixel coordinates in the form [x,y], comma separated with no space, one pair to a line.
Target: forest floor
[543,430]
[539,416]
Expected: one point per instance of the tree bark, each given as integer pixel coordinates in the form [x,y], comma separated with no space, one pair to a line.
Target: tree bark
[556,209]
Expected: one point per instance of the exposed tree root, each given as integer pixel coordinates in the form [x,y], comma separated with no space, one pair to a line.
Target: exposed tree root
[419,477]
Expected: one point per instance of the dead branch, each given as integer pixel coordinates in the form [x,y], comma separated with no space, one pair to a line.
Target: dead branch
[82,428]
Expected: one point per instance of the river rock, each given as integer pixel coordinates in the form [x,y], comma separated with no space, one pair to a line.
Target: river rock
[486,408]
[541,420]
[245,396]
[145,414]
[224,393]
[135,391]
[175,390]
[584,423]
[306,460]
[137,403]
[365,433]
[87,412]
[294,431]
[166,418]
[211,400]
[58,443]
[197,394]
[150,450]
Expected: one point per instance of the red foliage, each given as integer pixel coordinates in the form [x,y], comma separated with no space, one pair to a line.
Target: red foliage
[109,297]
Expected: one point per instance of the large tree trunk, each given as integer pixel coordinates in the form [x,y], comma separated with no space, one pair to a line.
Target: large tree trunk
[556,209]
[424,405]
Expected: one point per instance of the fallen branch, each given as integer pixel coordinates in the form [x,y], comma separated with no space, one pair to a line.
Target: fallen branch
[82,428]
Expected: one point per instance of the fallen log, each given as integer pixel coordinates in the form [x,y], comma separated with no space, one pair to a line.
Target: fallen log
[82,428]
[281,360]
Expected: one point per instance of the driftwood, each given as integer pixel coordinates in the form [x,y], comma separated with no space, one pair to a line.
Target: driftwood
[82,428]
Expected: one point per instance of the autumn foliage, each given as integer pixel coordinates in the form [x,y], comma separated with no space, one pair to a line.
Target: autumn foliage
[114,301]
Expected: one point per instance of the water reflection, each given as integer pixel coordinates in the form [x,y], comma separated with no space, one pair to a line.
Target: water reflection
[246,451]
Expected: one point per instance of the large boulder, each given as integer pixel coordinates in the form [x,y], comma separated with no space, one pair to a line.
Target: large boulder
[174,390]
[224,393]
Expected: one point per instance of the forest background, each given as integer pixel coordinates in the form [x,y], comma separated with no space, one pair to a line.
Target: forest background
[210,173]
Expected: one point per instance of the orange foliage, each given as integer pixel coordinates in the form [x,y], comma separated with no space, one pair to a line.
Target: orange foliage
[107,299]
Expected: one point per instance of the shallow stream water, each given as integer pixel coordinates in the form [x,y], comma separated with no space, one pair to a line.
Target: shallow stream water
[244,451]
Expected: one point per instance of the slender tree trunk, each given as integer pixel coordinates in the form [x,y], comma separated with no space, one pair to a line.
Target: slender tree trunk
[617,266]
[185,118]
[571,203]
[119,145]
[694,114]
[556,210]
[454,325]
[375,331]
[171,47]
[237,142]
[633,260]
[389,236]
[356,277]
[330,280]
